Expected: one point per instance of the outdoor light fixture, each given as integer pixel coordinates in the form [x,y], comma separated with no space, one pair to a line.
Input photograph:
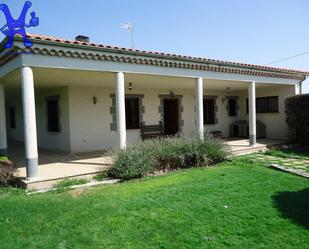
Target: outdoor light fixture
[172,94]
[228,91]
[130,86]
[95,100]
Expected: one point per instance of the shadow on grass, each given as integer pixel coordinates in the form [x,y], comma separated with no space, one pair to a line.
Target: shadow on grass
[294,205]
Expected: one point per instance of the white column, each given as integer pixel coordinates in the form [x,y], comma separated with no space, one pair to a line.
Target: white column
[121,110]
[3,138]
[199,107]
[252,114]
[30,132]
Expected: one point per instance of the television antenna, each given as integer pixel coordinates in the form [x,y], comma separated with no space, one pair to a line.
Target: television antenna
[130,28]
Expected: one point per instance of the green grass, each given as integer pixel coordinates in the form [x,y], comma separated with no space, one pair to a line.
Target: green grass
[293,159]
[288,153]
[100,177]
[70,182]
[3,158]
[185,209]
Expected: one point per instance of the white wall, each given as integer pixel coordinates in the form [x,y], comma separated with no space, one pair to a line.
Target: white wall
[46,140]
[53,140]
[276,126]
[90,123]
[86,126]
[14,99]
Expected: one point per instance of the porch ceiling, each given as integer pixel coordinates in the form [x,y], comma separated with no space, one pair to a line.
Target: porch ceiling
[44,78]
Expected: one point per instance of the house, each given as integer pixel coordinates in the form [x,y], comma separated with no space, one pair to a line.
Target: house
[77,96]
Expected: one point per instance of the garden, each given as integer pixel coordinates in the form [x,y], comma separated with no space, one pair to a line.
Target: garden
[176,192]
[238,204]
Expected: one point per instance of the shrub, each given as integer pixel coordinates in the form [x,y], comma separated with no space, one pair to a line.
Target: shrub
[298,118]
[7,170]
[169,153]
[134,162]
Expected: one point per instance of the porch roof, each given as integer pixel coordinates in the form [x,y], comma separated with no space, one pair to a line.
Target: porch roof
[135,56]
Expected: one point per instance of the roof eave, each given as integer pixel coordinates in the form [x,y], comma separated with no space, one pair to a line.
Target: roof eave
[154,55]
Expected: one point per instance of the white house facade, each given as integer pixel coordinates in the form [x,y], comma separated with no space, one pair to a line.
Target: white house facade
[76,96]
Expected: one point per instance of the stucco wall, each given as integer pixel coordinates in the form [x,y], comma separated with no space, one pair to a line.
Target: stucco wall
[86,126]
[90,123]
[53,140]
[14,100]
[46,140]
[276,126]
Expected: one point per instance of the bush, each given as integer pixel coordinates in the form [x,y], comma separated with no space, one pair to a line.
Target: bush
[7,170]
[169,153]
[298,118]
[135,161]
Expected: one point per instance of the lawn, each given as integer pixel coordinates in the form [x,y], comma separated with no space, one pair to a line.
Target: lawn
[234,205]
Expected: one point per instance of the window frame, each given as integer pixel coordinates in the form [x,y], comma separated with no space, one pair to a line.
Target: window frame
[214,118]
[12,124]
[137,123]
[229,106]
[267,102]
[48,99]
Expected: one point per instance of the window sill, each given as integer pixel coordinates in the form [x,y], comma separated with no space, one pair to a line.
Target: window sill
[258,113]
[133,130]
[53,133]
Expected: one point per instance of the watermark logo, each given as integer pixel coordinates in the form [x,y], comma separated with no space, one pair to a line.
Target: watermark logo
[18,27]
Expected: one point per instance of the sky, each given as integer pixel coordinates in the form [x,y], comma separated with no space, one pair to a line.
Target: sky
[255,31]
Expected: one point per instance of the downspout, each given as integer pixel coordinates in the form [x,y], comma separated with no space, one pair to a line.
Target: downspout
[301,85]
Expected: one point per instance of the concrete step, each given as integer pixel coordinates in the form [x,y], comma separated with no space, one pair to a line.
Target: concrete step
[41,184]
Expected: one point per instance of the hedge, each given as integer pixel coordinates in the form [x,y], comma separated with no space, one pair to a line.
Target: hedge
[297,110]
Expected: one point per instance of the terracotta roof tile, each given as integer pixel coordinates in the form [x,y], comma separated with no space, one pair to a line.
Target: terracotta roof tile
[167,55]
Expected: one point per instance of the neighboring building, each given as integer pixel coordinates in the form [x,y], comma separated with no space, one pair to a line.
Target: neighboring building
[78,96]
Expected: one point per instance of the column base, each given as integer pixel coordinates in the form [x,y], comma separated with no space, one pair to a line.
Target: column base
[3,152]
[32,168]
[252,140]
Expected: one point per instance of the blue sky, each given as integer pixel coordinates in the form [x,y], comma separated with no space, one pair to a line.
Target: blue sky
[258,32]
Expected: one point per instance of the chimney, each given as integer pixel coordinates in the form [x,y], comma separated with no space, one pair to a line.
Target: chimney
[82,38]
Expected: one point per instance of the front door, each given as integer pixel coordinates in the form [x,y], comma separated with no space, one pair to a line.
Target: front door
[171,117]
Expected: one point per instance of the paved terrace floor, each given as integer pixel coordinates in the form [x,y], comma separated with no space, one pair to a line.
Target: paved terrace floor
[54,166]
[58,165]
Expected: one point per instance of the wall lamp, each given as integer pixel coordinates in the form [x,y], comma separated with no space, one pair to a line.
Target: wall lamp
[130,86]
[228,91]
[95,100]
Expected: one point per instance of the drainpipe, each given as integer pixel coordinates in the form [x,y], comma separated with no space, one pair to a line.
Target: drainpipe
[301,85]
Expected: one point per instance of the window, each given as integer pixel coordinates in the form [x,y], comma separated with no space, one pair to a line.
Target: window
[12,117]
[53,114]
[209,110]
[232,107]
[266,105]
[132,113]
